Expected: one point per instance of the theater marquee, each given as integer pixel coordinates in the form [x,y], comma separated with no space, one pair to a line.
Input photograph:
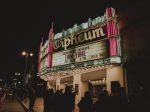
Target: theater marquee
[79,54]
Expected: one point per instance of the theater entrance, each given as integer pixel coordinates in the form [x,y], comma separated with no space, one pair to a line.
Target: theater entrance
[96,87]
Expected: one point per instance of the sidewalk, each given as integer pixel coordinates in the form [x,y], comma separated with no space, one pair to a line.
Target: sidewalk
[38,107]
[11,104]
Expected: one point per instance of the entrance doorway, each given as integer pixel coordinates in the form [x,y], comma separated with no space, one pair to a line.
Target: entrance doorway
[96,89]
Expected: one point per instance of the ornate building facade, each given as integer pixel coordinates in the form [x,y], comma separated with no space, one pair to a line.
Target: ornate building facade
[85,57]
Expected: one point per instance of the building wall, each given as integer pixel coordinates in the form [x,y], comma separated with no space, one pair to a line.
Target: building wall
[134,25]
[77,80]
[82,87]
[58,84]
[114,73]
[51,85]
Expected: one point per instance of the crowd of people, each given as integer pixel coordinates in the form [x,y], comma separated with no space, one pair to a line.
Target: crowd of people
[117,101]
[65,102]
[59,101]
[106,103]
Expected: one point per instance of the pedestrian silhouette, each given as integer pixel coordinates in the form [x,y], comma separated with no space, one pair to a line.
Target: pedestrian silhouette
[86,103]
[102,105]
[32,94]
[48,100]
[68,100]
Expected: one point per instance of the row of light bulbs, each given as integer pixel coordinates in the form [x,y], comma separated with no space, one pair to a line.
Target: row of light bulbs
[55,75]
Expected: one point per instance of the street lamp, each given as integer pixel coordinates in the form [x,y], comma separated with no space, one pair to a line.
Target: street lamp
[27,54]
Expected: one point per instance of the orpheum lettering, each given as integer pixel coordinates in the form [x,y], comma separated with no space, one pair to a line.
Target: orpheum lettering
[78,39]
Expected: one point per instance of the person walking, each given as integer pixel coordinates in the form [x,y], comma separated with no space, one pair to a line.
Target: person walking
[68,100]
[32,94]
[86,103]
[102,104]
[48,100]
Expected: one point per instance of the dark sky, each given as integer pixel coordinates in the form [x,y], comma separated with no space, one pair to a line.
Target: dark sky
[24,22]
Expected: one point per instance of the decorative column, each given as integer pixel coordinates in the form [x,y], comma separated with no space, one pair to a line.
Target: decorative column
[39,58]
[112,30]
[50,47]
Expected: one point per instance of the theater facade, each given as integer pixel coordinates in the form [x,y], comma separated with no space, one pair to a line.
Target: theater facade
[85,57]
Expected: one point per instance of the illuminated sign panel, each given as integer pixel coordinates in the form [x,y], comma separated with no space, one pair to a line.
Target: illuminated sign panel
[79,54]
[81,38]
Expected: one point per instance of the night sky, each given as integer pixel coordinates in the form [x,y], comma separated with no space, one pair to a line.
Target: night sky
[24,22]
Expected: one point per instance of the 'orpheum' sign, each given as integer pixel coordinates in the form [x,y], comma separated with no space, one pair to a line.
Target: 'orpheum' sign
[76,39]
[88,52]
